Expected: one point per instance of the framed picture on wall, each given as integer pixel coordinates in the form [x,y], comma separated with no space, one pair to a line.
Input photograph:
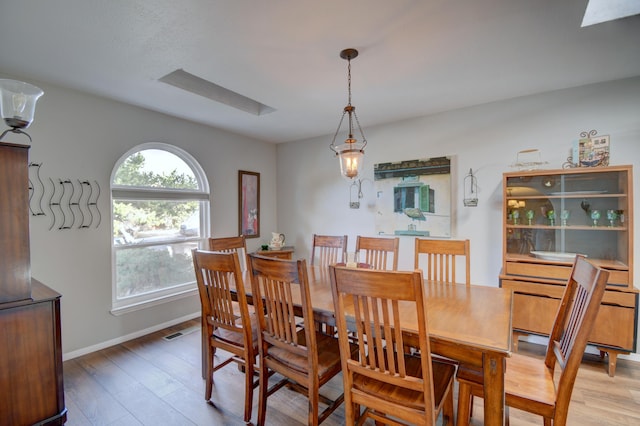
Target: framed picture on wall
[248,204]
[414,197]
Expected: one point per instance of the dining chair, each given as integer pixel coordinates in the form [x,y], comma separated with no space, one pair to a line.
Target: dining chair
[529,381]
[329,249]
[377,251]
[305,358]
[217,274]
[231,244]
[389,383]
[441,256]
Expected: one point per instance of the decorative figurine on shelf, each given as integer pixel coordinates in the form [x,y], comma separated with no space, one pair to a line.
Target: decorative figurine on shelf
[516,216]
[564,216]
[595,216]
[529,215]
[612,216]
[551,215]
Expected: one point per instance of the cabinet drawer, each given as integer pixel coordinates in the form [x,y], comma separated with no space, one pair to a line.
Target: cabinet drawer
[534,314]
[619,278]
[533,288]
[539,270]
[560,272]
[611,297]
[615,325]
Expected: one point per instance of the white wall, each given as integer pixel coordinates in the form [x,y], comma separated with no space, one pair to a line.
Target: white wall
[313,198]
[76,135]
[79,136]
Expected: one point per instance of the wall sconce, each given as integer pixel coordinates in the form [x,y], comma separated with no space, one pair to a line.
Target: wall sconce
[470,190]
[357,186]
[351,152]
[18,104]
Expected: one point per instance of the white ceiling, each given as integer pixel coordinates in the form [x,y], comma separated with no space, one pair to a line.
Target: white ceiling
[417,57]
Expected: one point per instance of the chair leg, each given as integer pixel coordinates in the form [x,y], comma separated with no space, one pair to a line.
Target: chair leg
[248,390]
[314,410]
[464,403]
[447,409]
[208,373]
[262,393]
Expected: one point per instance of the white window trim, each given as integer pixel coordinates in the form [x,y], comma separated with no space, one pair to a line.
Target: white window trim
[181,291]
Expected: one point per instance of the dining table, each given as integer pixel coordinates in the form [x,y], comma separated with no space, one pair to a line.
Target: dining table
[470,324]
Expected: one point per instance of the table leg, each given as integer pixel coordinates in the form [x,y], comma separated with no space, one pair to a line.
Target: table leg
[493,369]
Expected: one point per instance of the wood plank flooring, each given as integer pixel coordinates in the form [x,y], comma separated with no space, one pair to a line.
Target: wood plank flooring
[152,381]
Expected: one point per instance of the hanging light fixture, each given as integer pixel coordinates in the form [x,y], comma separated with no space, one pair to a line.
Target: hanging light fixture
[18,105]
[351,152]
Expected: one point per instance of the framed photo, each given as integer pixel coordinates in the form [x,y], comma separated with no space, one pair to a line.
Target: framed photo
[594,151]
[248,204]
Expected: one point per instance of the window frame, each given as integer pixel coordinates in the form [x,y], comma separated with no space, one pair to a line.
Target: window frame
[138,193]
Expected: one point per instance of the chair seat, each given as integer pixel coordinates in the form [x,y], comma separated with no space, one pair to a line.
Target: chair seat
[442,374]
[328,355]
[236,339]
[537,390]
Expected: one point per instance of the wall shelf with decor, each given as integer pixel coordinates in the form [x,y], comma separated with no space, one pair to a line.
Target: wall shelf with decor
[549,216]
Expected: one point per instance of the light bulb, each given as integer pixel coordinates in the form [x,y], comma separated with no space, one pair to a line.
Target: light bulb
[19,101]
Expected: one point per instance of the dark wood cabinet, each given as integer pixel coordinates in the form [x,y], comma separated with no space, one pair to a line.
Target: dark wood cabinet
[31,379]
[15,266]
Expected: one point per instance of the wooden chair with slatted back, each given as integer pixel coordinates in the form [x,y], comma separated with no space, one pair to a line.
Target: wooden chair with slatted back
[378,252]
[305,358]
[217,274]
[229,245]
[441,256]
[529,382]
[328,249]
[388,383]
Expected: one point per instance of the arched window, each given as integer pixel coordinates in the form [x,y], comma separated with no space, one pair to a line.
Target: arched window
[160,212]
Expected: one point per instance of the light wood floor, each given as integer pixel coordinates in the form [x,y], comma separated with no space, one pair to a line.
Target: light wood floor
[152,381]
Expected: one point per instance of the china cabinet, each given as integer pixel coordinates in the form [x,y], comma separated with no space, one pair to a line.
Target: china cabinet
[549,216]
[31,380]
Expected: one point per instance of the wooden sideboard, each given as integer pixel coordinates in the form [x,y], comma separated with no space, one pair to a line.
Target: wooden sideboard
[31,379]
[548,217]
[285,252]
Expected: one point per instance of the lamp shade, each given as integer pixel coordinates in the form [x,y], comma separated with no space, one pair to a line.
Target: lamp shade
[351,156]
[18,102]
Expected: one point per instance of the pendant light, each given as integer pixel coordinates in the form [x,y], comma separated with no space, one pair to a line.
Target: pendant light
[351,152]
[18,105]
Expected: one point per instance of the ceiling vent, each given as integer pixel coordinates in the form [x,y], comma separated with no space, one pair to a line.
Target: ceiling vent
[199,86]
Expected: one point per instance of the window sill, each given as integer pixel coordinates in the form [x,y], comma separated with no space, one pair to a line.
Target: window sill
[125,309]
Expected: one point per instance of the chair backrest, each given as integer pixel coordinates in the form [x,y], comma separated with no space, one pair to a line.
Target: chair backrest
[441,258]
[572,326]
[328,249]
[375,300]
[377,252]
[230,245]
[278,286]
[217,275]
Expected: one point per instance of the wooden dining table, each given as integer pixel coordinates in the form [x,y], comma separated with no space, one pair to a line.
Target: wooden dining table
[469,324]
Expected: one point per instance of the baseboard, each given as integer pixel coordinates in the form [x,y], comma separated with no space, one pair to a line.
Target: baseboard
[122,339]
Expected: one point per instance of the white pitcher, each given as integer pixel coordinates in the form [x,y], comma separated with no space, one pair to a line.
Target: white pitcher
[277,241]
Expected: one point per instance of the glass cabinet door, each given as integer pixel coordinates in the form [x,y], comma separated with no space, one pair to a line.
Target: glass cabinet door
[552,215]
